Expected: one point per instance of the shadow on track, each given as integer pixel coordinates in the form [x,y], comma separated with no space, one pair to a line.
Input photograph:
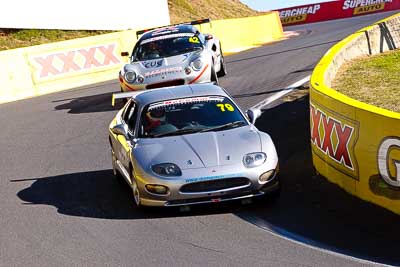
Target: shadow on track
[313,209]
[88,104]
[281,52]
[98,194]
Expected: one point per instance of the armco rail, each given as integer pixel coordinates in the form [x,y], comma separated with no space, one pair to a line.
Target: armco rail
[357,145]
[43,69]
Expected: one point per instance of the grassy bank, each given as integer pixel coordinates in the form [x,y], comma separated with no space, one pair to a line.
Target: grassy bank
[10,39]
[374,80]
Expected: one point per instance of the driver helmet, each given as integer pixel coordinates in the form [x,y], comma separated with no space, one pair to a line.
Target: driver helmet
[156,115]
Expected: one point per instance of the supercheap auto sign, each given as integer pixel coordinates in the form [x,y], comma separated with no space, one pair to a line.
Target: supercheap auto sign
[334,10]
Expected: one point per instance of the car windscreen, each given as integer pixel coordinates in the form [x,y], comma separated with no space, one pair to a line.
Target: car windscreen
[167,46]
[190,115]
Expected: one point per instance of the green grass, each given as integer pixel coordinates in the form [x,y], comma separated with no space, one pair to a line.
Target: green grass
[373,79]
[21,38]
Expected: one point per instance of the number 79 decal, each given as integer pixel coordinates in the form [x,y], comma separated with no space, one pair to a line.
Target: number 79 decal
[225,107]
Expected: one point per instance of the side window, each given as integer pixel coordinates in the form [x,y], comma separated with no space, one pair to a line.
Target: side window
[127,111]
[129,115]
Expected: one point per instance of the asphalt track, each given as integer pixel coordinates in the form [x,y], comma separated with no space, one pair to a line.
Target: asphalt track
[60,205]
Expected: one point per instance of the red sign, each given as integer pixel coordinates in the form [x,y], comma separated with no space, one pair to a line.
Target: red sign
[334,10]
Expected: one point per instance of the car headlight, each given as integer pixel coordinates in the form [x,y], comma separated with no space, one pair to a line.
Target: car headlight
[197,64]
[254,159]
[167,169]
[130,76]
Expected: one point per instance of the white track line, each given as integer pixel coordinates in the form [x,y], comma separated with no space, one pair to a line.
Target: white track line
[281,94]
[300,240]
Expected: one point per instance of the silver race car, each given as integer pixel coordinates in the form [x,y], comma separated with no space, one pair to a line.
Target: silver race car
[191,144]
[172,55]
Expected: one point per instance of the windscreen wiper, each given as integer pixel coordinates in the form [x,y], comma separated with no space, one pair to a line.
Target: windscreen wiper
[177,132]
[229,125]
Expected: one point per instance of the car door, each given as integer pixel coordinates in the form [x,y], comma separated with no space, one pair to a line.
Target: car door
[128,121]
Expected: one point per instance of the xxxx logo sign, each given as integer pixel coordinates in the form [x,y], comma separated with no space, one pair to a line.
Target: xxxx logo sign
[71,62]
[333,138]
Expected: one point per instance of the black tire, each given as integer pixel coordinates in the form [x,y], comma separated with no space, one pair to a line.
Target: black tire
[222,72]
[274,196]
[270,197]
[214,77]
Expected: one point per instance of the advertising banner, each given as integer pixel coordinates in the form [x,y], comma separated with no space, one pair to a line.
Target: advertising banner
[334,10]
[356,145]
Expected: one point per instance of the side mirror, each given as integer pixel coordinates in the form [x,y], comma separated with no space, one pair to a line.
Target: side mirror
[208,37]
[124,54]
[119,129]
[253,114]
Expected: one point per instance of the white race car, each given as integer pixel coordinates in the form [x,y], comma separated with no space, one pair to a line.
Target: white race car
[172,55]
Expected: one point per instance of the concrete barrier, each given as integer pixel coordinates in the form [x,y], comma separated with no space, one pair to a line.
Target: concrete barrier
[354,144]
[48,68]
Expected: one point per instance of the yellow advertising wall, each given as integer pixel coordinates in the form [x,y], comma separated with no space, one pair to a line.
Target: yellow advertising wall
[355,145]
[244,33]
[42,69]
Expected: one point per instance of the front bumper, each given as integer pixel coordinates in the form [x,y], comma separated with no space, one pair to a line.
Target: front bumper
[265,190]
[158,80]
[177,197]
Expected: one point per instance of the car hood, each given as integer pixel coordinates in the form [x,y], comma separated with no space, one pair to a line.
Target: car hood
[168,61]
[199,150]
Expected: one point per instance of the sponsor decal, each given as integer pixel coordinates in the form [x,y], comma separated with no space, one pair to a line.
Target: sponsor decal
[186,101]
[159,72]
[368,9]
[333,137]
[348,4]
[294,19]
[153,64]
[298,14]
[216,177]
[388,164]
[176,35]
[82,60]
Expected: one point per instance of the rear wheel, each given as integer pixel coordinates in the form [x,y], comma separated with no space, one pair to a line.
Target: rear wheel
[214,77]
[222,71]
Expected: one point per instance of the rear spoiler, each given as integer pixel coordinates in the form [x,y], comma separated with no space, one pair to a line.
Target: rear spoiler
[194,22]
[133,94]
[124,96]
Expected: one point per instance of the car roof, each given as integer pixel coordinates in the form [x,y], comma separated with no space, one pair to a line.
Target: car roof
[184,28]
[181,91]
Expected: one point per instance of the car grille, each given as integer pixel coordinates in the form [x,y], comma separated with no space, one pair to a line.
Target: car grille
[212,199]
[166,84]
[214,185]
